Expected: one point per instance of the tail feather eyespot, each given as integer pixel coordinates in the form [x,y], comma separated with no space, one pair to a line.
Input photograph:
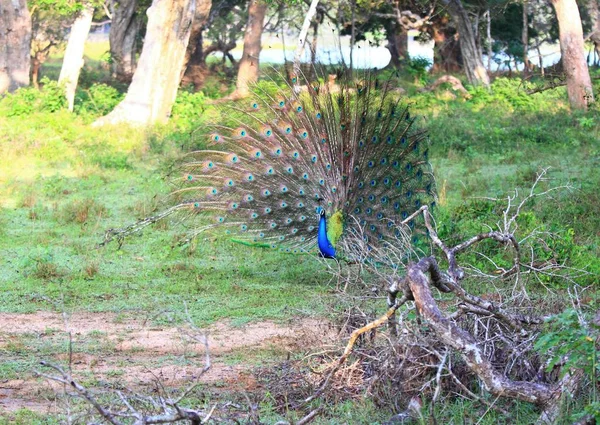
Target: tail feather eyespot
[232,158]
[240,132]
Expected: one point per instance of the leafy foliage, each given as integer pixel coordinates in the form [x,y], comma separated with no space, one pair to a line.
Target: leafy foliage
[28,99]
[574,344]
[99,99]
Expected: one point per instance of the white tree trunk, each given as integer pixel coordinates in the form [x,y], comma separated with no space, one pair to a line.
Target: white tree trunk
[15,42]
[579,85]
[154,85]
[312,10]
[73,60]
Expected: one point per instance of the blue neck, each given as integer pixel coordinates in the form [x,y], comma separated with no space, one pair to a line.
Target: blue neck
[327,250]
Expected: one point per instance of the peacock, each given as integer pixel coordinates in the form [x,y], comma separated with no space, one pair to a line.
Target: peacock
[302,167]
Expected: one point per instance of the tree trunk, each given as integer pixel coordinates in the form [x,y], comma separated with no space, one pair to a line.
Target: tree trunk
[124,29]
[446,49]
[154,85]
[200,18]
[312,10]
[525,40]
[488,39]
[594,11]
[73,60]
[397,38]
[248,69]
[472,60]
[579,85]
[15,41]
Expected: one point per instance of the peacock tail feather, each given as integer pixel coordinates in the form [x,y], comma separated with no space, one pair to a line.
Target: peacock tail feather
[272,167]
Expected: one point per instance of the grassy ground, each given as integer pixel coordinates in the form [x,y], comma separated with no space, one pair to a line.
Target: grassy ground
[63,184]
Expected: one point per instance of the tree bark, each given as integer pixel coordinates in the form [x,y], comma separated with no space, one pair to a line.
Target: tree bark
[593,9]
[15,41]
[312,10]
[579,85]
[472,60]
[397,38]
[446,49]
[154,85]
[73,60]
[200,18]
[525,39]
[124,29]
[249,64]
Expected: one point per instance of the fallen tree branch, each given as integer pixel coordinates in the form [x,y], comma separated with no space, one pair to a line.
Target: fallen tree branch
[465,344]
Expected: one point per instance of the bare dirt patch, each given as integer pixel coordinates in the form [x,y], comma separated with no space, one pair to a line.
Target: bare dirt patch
[136,353]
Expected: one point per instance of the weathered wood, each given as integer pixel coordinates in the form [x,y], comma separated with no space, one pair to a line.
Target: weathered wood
[464,343]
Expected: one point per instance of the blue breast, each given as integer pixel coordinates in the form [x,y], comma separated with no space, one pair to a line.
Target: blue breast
[327,250]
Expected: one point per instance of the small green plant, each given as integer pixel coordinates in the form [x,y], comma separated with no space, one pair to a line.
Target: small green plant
[571,339]
[188,107]
[417,68]
[587,122]
[27,100]
[99,99]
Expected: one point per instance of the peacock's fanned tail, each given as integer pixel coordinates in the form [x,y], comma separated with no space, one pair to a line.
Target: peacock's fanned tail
[274,164]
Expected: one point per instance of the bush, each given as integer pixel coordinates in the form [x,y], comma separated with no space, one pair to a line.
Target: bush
[188,107]
[99,99]
[571,339]
[27,100]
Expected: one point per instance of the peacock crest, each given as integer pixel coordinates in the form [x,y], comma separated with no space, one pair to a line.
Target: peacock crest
[295,169]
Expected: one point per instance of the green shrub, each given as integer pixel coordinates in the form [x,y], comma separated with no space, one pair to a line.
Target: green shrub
[27,100]
[99,99]
[571,339]
[417,68]
[111,160]
[188,107]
